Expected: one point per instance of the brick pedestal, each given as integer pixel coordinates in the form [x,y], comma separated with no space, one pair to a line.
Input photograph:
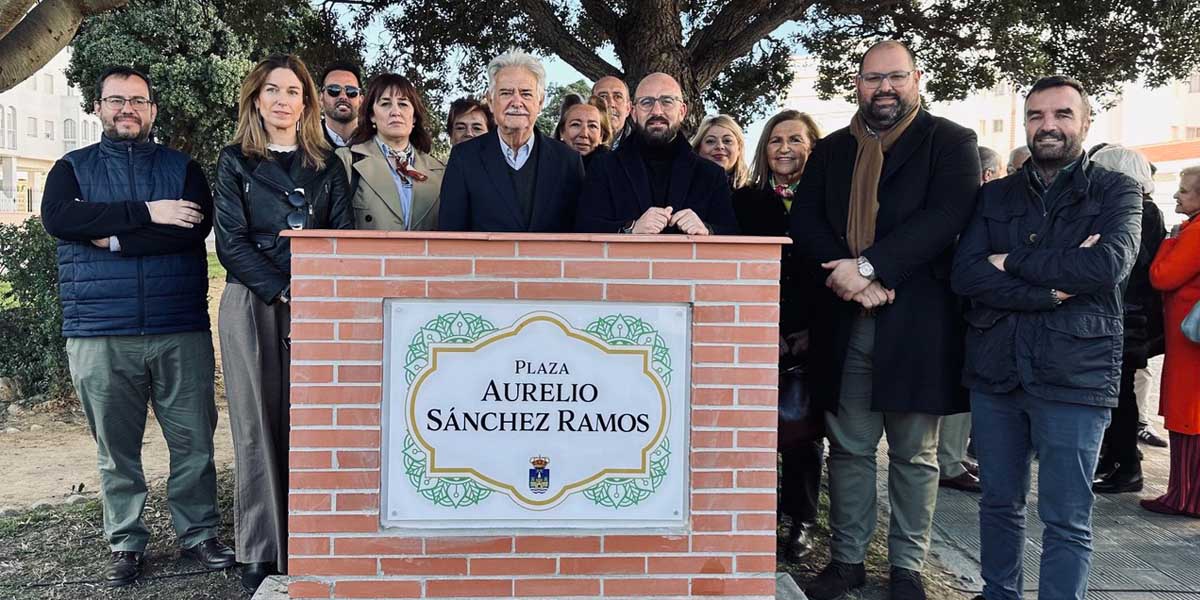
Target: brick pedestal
[337,547]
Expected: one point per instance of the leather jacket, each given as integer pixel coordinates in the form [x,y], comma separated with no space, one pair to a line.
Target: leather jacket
[251,199]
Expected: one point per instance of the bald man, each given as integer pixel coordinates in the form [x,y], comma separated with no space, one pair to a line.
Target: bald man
[655,183]
[615,93]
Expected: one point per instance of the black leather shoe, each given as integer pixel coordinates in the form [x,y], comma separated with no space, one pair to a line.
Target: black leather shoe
[835,580]
[965,482]
[253,575]
[905,584]
[799,542]
[971,467]
[1118,482]
[124,568]
[211,554]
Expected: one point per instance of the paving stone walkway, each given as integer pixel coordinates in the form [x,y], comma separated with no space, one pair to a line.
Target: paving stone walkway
[1138,555]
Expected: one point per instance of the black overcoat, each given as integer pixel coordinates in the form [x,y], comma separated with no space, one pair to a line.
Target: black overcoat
[926,197]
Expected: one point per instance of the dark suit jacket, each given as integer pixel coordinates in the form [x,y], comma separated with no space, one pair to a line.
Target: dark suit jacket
[926,198]
[478,194]
[617,189]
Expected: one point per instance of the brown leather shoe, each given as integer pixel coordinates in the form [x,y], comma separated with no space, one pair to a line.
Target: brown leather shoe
[965,482]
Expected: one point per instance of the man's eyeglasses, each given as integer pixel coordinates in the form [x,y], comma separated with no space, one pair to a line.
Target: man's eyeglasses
[667,102]
[298,218]
[897,79]
[119,102]
[334,90]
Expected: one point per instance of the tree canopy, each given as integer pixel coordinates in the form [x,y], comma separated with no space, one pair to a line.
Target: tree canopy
[734,55]
[197,54]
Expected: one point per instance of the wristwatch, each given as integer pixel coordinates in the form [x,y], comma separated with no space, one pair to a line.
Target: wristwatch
[865,268]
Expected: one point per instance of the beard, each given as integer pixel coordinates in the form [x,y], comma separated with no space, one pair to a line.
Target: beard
[658,138]
[1068,149]
[338,116]
[884,117]
[114,133]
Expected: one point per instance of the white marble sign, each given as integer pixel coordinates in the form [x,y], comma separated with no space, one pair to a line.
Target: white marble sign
[514,414]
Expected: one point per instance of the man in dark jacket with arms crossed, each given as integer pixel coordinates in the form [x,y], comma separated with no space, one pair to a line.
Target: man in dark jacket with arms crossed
[1042,263]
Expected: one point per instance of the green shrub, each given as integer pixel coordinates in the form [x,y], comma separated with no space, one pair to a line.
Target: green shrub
[32,350]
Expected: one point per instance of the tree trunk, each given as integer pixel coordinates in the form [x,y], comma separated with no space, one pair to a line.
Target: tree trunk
[651,40]
[46,30]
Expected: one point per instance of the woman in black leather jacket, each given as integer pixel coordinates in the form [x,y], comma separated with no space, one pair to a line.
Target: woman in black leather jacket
[278,174]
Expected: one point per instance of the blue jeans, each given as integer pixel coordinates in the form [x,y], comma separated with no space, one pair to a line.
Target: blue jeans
[1008,430]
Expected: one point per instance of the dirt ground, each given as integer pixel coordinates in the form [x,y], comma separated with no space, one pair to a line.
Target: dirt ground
[54,452]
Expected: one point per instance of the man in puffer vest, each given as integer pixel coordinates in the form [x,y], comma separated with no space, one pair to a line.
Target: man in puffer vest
[131,217]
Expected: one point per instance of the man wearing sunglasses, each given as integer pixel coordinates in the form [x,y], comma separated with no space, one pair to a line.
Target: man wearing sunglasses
[131,217]
[341,95]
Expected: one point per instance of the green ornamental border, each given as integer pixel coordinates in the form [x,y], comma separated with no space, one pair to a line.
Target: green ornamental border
[467,328]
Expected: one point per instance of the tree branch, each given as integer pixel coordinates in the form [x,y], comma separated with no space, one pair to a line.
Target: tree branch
[730,21]
[604,16]
[554,35]
[11,13]
[44,31]
[727,38]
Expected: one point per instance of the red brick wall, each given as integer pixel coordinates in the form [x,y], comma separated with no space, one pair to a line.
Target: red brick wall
[337,548]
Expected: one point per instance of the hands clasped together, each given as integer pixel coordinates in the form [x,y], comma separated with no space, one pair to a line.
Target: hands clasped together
[656,219]
[845,281]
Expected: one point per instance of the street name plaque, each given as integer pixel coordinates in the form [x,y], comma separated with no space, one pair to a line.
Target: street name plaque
[510,414]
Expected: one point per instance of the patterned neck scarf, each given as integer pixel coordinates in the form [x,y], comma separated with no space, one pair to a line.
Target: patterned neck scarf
[785,192]
[401,161]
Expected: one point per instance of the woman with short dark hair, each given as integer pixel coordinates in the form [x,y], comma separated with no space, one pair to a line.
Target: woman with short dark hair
[394,182]
[468,118]
[278,174]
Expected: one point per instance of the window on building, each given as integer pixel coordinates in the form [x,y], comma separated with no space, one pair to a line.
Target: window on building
[1194,83]
[3,137]
[12,127]
[982,127]
[48,80]
[49,130]
[69,135]
[998,126]
[1192,133]
[31,127]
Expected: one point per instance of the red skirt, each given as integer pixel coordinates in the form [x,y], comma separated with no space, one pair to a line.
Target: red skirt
[1183,487]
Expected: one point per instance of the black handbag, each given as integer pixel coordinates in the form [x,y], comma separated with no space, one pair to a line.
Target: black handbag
[800,420]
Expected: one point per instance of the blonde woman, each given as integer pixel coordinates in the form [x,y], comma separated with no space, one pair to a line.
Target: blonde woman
[278,174]
[720,140]
[394,182]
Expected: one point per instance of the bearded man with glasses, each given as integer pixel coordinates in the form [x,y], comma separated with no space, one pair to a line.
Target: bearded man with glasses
[341,96]
[878,209]
[655,182]
[131,217]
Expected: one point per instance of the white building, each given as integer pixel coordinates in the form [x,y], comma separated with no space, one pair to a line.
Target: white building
[41,119]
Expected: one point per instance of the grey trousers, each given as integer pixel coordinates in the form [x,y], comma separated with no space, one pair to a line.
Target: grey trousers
[117,378]
[255,359]
[953,436]
[854,434]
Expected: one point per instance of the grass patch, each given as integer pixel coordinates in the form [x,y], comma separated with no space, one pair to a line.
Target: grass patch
[60,553]
[215,270]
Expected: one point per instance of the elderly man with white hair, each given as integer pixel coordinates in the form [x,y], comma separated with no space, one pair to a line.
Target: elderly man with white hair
[512,178]
[1120,466]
